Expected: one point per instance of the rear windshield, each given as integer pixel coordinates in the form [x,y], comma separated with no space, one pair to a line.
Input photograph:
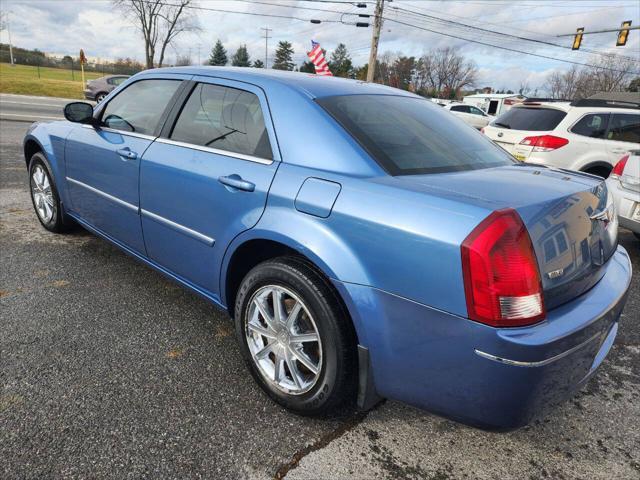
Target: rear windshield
[412,136]
[535,119]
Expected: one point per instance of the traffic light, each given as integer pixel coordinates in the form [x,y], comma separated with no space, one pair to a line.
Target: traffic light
[623,34]
[577,40]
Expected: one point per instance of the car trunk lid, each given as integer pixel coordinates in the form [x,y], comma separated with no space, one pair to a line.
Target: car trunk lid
[571,225]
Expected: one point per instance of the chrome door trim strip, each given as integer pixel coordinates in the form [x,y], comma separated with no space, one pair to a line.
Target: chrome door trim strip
[120,202]
[217,151]
[126,134]
[540,363]
[179,228]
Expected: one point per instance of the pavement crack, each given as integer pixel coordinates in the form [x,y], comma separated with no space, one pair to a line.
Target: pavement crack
[322,442]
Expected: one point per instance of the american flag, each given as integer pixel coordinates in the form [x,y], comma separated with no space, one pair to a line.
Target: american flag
[317,57]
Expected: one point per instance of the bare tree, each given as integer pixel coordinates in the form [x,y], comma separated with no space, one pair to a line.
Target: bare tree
[452,71]
[608,74]
[160,23]
[183,60]
[4,19]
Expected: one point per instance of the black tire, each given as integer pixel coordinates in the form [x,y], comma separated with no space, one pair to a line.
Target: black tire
[336,383]
[57,223]
[100,96]
[637,235]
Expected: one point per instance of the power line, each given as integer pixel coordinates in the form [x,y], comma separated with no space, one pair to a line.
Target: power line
[255,14]
[495,32]
[505,48]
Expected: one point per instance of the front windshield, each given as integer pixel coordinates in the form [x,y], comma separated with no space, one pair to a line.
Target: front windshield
[411,136]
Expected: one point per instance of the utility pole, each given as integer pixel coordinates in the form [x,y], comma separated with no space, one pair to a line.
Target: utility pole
[375,38]
[9,32]
[266,45]
[199,47]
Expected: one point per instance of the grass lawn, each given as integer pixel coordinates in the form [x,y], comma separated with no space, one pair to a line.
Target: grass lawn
[53,82]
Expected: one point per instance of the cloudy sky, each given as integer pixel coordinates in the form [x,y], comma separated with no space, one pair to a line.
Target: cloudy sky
[65,26]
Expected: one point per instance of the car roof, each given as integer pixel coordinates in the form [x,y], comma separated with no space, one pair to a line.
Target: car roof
[315,86]
[568,107]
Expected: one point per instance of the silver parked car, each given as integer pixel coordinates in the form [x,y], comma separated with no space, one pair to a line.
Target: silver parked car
[100,87]
[624,184]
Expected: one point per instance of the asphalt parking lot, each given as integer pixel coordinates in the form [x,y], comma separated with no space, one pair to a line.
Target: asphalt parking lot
[109,370]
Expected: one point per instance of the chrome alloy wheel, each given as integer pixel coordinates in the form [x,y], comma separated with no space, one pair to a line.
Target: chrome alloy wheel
[283,340]
[42,194]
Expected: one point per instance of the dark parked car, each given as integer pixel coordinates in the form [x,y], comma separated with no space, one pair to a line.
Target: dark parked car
[366,242]
[100,87]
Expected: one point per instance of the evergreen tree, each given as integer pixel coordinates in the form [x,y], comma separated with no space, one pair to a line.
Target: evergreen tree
[241,57]
[284,54]
[340,63]
[258,64]
[218,55]
[308,67]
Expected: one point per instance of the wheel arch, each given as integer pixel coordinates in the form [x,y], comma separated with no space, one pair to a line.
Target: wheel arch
[597,165]
[32,146]
[255,246]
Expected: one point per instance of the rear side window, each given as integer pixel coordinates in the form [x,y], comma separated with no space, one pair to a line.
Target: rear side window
[594,126]
[224,118]
[625,127]
[408,135]
[533,119]
[139,107]
[460,108]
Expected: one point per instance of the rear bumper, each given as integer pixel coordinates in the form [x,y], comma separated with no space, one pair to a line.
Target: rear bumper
[494,378]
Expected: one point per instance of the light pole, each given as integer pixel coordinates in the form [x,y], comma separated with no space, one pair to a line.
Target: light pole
[266,45]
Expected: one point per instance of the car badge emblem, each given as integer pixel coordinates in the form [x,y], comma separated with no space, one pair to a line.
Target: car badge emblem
[500,134]
[604,216]
[556,273]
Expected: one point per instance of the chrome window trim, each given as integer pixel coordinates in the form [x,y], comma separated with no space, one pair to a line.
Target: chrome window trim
[121,132]
[179,228]
[541,363]
[225,153]
[117,200]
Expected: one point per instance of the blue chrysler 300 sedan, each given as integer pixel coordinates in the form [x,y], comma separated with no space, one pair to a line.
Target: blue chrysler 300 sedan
[367,243]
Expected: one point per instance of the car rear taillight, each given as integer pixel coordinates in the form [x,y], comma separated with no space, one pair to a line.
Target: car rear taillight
[619,168]
[501,277]
[544,143]
[482,130]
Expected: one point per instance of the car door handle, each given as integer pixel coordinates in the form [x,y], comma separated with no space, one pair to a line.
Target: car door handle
[236,182]
[127,153]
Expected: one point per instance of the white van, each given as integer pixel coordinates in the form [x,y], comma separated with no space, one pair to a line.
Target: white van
[494,103]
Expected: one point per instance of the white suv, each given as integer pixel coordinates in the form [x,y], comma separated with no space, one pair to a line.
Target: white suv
[471,115]
[587,135]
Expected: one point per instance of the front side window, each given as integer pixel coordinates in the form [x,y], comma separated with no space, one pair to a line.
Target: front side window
[117,80]
[138,108]
[625,127]
[532,119]
[224,118]
[410,135]
[593,126]
[476,111]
